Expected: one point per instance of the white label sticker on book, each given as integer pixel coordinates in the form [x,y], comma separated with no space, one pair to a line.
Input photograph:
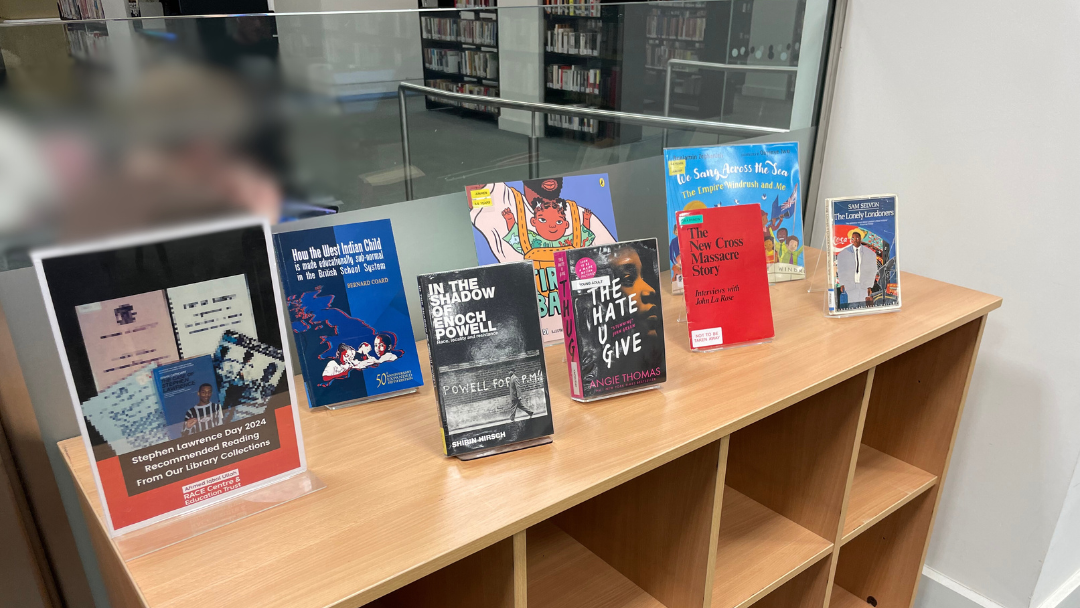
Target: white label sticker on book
[706,337]
[592,283]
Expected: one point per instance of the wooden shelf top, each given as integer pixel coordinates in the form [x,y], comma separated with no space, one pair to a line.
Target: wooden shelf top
[882,485]
[842,598]
[758,551]
[395,509]
[562,572]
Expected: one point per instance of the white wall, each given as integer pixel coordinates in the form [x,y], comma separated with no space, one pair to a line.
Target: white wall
[968,110]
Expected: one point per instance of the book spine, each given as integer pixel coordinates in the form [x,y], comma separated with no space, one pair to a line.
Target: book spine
[287,288]
[570,337]
[432,369]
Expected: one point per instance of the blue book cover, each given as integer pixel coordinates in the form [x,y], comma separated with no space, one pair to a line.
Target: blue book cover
[348,312]
[188,392]
[715,176]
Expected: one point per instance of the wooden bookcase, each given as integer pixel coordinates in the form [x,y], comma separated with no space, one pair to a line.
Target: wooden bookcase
[801,473]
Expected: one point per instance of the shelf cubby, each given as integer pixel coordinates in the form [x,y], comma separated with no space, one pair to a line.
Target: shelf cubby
[485,578]
[562,572]
[842,598]
[882,485]
[658,529]
[884,562]
[787,476]
[758,551]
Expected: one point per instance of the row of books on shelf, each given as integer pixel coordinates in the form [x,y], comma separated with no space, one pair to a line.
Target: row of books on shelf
[80,9]
[573,8]
[470,31]
[480,64]
[681,26]
[596,40]
[209,375]
[657,53]
[90,46]
[579,79]
[574,123]
[471,89]
[474,3]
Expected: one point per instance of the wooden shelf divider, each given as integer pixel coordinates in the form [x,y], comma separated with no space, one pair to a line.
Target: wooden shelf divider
[882,485]
[562,572]
[758,551]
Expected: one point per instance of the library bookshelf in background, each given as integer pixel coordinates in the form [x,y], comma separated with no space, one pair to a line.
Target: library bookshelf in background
[591,54]
[461,52]
[716,32]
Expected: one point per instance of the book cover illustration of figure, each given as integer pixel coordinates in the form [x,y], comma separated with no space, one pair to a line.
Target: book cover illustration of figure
[188,391]
[173,435]
[487,358]
[863,264]
[348,312]
[532,220]
[614,323]
[764,174]
[726,285]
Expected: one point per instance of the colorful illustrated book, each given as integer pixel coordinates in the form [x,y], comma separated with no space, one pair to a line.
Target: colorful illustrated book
[613,322]
[126,334]
[202,311]
[487,356]
[714,176]
[169,438]
[864,272]
[188,392]
[532,220]
[350,320]
[724,276]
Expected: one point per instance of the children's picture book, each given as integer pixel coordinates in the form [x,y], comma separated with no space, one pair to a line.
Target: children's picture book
[535,218]
[726,287]
[613,322]
[188,392]
[715,176]
[126,334]
[173,435]
[864,272]
[487,356]
[350,320]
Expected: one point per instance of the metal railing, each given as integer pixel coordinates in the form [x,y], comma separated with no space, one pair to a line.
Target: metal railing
[648,120]
[723,67]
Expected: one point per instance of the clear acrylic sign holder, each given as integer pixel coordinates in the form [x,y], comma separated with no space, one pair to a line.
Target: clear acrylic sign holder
[503,449]
[168,532]
[355,402]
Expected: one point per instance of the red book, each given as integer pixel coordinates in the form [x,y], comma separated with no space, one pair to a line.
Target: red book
[724,274]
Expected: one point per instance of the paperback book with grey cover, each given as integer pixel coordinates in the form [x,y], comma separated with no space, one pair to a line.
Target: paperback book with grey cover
[487,356]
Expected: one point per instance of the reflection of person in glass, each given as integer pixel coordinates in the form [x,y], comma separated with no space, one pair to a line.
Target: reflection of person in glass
[856,270]
[515,398]
[626,264]
[205,415]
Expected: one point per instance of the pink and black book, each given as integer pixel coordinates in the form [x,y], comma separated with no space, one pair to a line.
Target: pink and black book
[613,324]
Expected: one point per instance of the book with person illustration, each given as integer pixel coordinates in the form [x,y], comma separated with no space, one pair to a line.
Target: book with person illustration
[348,313]
[533,220]
[863,262]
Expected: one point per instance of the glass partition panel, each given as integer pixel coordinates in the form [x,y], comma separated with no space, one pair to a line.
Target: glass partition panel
[118,124]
